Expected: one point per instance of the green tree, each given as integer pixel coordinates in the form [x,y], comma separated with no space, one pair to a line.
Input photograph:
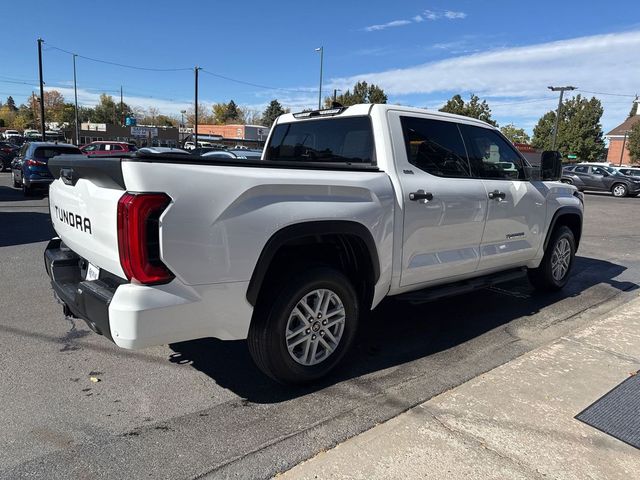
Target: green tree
[579,129]
[105,111]
[515,134]
[362,93]
[273,111]
[11,104]
[474,108]
[633,143]
[226,113]
[634,108]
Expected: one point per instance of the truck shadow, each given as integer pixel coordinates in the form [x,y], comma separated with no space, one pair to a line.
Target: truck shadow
[18,228]
[398,332]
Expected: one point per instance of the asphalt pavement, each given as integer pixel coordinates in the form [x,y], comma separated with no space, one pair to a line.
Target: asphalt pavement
[201,408]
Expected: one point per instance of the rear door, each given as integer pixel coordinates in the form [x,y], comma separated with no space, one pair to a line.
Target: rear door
[444,207]
[517,208]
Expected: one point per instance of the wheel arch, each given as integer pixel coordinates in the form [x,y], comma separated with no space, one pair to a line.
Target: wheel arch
[352,240]
[570,217]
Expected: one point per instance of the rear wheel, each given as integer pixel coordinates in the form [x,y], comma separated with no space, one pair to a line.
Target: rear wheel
[619,190]
[554,269]
[301,332]
[27,191]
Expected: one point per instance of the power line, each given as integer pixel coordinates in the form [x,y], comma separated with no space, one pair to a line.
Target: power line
[611,94]
[133,67]
[257,85]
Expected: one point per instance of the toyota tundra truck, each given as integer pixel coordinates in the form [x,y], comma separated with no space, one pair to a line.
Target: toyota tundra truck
[346,207]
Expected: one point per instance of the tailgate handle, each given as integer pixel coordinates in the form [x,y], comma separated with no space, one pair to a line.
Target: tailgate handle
[67,175]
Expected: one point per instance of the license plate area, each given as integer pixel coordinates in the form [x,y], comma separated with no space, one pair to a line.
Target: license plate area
[93,272]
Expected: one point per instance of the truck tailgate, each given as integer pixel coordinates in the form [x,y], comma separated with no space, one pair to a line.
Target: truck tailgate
[83,202]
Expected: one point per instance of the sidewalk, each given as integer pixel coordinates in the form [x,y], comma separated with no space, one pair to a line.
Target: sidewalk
[516,421]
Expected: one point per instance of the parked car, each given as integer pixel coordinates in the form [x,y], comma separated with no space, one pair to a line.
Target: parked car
[107,148]
[203,150]
[348,206]
[202,144]
[600,178]
[11,133]
[242,153]
[630,171]
[8,152]
[30,169]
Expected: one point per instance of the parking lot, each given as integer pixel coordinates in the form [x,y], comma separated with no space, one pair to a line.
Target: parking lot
[201,407]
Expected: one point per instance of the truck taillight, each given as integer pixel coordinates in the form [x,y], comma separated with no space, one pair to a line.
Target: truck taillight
[139,237]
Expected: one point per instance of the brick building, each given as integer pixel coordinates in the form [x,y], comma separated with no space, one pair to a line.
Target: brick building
[249,135]
[617,137]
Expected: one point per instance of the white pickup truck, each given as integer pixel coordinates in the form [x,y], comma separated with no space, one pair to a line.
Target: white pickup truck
[346,206]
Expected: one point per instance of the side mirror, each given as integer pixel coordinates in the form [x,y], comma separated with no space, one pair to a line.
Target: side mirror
[550,166]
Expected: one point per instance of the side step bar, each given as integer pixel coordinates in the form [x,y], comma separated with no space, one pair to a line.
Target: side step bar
[441,291]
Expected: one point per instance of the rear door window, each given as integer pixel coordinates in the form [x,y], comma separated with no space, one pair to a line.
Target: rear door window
[435,147]
[581,169]
[336,140]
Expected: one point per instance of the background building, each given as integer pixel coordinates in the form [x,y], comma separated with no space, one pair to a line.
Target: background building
[617,138]
[142,136]
[248,135]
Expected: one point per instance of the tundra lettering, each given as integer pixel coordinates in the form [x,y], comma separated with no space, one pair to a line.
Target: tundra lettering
[81,223]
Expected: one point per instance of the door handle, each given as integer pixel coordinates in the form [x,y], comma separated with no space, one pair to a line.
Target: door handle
[420,195]
[497,195]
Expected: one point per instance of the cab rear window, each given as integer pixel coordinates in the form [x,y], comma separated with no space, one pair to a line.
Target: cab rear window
[337,140]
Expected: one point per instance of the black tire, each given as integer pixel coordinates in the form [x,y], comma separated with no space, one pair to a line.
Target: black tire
[542,278]
[27,191]
[267,333]
[619,190]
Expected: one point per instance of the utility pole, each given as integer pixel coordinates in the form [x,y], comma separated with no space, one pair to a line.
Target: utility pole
[121,108]
[75,93]
[321,50]
[335,94]
[40,41]
[624,142]
[195,123]
[555,127]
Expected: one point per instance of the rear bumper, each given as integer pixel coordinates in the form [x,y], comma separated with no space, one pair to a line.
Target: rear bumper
[88,300]
[37,180]
[137,316]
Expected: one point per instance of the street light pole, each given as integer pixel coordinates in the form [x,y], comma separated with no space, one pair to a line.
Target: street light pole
[40,41]
[181,134]
[75,93]
[335,94]
[195,123]
[555,127]
[321,50]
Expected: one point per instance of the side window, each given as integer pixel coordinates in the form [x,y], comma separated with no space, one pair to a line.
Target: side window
[91,148]
[490,155]
[435,147]
[581,169]
[116,147]
[598,171]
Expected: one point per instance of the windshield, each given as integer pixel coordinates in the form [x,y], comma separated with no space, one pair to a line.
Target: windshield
[49,152]
[345,140]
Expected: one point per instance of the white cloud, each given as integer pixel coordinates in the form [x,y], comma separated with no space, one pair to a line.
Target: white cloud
[426,15]
[384,26]
[598,63]
[451,15]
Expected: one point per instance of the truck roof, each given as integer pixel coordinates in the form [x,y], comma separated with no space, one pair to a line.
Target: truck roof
[366,109]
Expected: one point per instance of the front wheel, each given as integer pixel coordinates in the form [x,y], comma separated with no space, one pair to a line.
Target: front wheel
[619,190]
[302,332]
[554,269]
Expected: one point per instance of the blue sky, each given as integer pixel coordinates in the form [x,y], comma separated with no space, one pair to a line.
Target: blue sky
[420,52]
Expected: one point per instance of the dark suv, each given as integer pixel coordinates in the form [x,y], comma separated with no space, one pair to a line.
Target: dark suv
[8,151]
[600,178]
[29,168]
